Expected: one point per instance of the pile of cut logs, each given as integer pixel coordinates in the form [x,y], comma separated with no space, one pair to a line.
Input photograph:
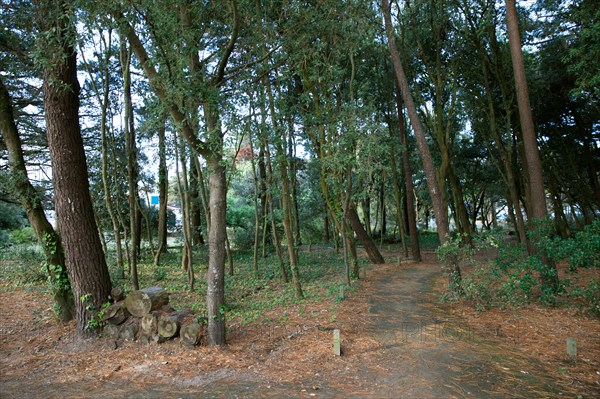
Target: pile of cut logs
[146,316]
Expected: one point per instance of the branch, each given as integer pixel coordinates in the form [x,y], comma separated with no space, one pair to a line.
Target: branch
[218,78]
[158,85]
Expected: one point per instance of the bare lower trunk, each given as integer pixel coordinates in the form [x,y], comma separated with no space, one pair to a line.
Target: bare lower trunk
[163,183]
[215,297]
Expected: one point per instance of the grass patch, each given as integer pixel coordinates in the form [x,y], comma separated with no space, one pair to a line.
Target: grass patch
[249,295]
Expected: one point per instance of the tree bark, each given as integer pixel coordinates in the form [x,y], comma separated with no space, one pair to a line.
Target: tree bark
[195,214]
[532,155]
[365,240]
[163,189]
[216,260]
[85,261]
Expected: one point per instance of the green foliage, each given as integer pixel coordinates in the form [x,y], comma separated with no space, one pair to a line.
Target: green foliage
[4,238]
[22,264]
[11,216]
[95,320]
[513,278]
[591,296]
[429,240]
[583,250]
[25,235]
[453,253]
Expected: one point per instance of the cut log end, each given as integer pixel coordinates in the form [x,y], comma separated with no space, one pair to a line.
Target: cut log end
[116,313]
[140,303]
[117,294]
[190,334]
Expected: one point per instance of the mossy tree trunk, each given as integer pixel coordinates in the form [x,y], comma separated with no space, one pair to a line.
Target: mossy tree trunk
[32,203]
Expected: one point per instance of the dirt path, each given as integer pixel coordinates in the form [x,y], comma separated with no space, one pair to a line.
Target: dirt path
[412,350]
[428,355]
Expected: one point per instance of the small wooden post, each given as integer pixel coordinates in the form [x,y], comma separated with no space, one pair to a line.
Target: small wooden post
[337,350]
[342,292]
[571,347]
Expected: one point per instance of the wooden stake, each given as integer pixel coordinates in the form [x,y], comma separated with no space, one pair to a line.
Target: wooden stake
[571,347]
[337,350]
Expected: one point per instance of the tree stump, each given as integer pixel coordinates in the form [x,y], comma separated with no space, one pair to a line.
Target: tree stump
[116,313]
[190,334]
[140,303]
[169,325]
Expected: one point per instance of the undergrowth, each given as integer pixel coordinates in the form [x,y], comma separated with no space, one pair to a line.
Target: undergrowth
[514,278]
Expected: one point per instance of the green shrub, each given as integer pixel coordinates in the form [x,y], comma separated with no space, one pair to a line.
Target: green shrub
[4,238]
[24,235]
[515,278]
[591,296]
[22,264]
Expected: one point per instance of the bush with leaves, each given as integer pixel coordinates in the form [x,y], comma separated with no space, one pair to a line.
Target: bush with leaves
[512,278]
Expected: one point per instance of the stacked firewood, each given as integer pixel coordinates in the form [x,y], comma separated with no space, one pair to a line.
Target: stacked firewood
[146,316]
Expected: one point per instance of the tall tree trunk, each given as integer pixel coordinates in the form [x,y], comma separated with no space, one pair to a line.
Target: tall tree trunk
[399,205]
[132,167]
[408,182]
[163,189]
[293,173]
[288,228]
[84,258]
[32,203]
[532,155]
[505,164]
[441,213]
[212,150]
[285,193]
[256,193]
[216,262]
[537,194]
[184,195]
[215,297]
[196,216]
[203,194]
[382,214]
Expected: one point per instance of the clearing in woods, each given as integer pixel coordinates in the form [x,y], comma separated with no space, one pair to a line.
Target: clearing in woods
[398,341]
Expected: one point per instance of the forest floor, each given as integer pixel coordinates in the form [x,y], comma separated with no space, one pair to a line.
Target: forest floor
[398,341]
